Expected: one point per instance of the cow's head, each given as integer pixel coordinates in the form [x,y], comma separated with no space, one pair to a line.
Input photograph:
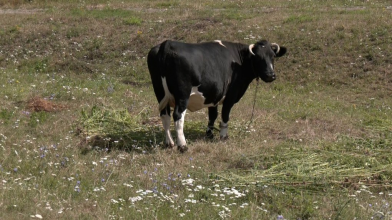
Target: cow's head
[263,54]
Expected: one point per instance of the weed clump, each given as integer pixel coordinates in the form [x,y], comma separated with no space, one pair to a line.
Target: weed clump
[104,128]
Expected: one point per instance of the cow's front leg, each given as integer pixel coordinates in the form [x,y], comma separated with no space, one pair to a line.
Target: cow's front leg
[212,115]
[165,117]
[224,126]
[179,116]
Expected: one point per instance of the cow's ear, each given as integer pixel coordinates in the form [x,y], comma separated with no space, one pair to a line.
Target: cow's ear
[281,52]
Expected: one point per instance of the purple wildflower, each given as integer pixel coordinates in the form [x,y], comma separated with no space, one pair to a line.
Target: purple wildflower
[26,113]
[110,89]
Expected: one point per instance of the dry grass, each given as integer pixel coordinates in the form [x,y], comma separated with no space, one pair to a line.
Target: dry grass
[38,104]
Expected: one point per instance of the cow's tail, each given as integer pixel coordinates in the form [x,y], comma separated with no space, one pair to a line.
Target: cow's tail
[158,67]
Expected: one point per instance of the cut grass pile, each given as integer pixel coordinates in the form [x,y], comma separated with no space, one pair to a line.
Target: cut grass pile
[348,163]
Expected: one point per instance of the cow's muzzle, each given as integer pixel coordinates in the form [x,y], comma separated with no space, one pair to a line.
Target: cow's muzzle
[268,77]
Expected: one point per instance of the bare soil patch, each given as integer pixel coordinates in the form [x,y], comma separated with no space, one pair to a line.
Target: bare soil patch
[20,11]
[38,104]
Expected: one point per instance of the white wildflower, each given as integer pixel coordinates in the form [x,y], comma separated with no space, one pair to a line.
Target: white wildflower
[190,201]
[223,214]
[199,187]
[135,199]
[243,205]
[188,182]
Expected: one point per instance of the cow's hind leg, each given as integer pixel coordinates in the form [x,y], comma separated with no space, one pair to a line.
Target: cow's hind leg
[165,116]
[179,116]
[224,125]
[212,115]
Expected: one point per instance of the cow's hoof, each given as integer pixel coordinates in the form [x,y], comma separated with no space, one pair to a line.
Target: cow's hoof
[168,146]
[224,138]
[182,149]
[209,134]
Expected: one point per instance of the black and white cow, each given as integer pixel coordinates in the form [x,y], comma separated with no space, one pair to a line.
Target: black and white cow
[195,76]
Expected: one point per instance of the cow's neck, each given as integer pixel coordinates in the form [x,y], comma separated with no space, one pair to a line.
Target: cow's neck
[242,71]
[245,63]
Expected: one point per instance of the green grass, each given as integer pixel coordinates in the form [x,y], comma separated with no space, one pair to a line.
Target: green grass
[133,21]
[167,4]
[106,13]
[318,147]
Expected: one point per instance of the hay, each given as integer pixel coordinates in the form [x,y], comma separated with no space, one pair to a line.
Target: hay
[348,163]
[314,170]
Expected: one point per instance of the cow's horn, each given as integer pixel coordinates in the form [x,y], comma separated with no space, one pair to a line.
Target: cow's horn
[277,47]
[250,49]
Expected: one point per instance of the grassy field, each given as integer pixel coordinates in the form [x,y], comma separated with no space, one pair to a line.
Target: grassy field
[81,137]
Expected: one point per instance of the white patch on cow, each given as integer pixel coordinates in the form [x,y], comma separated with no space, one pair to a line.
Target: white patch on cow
[272,66]
[166,127]
[180,130]
[168,96]
[223,129]
[196,100]
[195,103]
[221,101]
[219,42]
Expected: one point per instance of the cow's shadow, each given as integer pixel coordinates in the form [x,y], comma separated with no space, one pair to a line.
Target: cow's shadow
[148,140]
